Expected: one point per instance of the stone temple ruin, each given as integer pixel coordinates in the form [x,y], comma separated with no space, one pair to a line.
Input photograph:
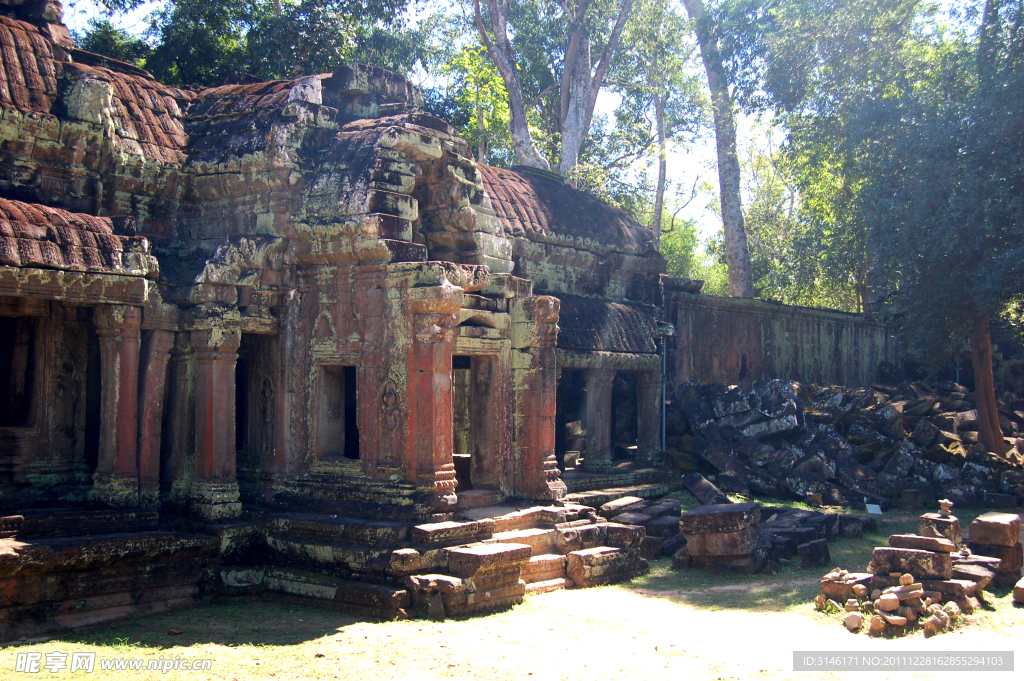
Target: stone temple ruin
[289,339]
[298,317]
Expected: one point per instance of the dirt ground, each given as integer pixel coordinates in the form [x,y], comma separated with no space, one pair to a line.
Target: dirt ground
[668,625]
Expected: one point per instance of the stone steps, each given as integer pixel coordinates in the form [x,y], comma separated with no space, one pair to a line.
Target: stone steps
[539,539]
[597,498]
[603,565]
[544,567]
[302,586]
[547,586]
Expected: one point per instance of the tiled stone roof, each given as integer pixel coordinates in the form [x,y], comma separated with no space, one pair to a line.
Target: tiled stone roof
[528,203]
[589,324]
[38,236]
[28,77]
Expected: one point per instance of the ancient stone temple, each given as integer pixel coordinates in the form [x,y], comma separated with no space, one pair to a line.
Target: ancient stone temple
[237,306]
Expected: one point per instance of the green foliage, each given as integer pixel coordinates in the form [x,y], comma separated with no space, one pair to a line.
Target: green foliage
[203,44]
[103,37]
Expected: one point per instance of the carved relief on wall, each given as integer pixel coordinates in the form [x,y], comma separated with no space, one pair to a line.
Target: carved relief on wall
[267,412]
[390,420]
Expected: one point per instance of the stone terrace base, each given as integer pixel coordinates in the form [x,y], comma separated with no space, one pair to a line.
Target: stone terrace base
[57,584]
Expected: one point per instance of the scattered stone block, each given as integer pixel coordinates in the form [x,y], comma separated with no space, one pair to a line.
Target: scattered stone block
[603,565]
[850,527]
[665,526]
[1018,592]
[630,518]
[845,589]
[673,544]
[650,548]
[620,505]
[913,499]
[814,553]
[945,526]
[853,621]
[473,560]
[921,564]
[993,500]
[1011,557]
[1005,580]
[1001,529]
[913,541]
[706,493]
[979,569]
[737,543]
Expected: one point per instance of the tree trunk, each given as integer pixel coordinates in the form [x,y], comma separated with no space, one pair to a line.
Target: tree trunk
[659,193]
[500,51]
[481,154]
[989,432]
[277,8]
[737,253]
[585,83]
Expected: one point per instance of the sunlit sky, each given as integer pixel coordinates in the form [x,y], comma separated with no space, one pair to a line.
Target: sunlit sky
[688,166]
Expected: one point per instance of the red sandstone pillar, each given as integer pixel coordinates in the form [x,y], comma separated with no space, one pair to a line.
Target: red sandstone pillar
[156,351]
[598,420]
[648,407]
[535,382]
[215,488]
[116,481]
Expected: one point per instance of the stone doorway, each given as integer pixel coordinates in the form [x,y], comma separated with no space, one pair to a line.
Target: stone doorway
[570,413]
[479,468]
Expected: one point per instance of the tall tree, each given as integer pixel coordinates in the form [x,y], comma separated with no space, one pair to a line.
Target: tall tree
[737,252]
[578,83]
[653,75]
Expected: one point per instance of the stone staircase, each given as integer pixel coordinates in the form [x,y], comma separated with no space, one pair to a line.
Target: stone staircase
[391,570]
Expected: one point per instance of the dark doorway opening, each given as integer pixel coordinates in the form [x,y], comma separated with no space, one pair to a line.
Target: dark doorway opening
[17,371]
[624,416]
[337,416]
[570,408]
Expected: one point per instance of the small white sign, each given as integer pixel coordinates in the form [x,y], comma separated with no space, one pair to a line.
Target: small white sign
[874,509]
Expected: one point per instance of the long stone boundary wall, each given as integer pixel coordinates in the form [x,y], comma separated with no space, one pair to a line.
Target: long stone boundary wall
[737,341]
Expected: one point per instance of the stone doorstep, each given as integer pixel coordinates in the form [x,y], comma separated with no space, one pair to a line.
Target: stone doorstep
[1001,529]
[543,567]
[471,560]
[548,585]
[1011,557]
[913,541]
[921,564]
[719,518]
[540,540]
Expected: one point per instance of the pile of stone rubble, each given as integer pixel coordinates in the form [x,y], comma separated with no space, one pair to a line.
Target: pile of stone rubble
[926,580]
[910,444]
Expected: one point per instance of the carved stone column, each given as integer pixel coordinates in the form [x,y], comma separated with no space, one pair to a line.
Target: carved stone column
[156,351]
[430,394]
[598,420]
[535,383]
[177,460]
[215,488]
[116,481]
[648,406]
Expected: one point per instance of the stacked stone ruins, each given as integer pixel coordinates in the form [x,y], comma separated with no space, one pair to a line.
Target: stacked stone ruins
[300,319]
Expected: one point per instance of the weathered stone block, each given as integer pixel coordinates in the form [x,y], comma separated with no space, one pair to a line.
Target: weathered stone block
[948,527]
[921,564]
[719,518]
[650,548]
[665,526]
[624,536]
[841,591]
[1001,529]
[619,505]
[737,543]
[1018,592]
[603,565]
[913,541]
[814,553]
[632,518]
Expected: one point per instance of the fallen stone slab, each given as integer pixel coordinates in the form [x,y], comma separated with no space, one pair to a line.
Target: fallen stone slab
[632,518]
[666,507]
[665,526]
[1001,529]
[619,505]
[921,564]
[706,493]
[981,574]
[913,541]
[1011,558]
[941,589]
[719,518]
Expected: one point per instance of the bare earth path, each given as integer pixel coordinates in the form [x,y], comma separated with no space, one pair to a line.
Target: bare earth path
[607,633]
